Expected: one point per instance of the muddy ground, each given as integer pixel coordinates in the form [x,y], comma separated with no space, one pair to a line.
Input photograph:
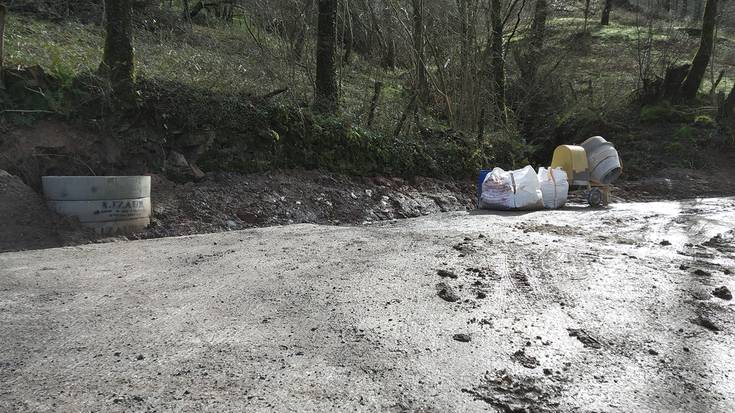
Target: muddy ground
[220,202]
[227,201]
[612,310]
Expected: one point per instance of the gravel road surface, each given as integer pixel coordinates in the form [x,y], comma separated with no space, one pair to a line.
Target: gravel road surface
[585,310]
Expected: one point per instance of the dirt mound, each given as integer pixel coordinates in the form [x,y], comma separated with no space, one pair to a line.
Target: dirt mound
[228,201]
[516,394]
[24,220]
[680,183]
[225,201]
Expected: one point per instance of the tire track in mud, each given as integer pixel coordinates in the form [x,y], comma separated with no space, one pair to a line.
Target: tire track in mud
[535,279]
[531,281]
[527,278]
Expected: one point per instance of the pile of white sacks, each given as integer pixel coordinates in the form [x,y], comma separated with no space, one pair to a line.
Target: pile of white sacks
[524,189]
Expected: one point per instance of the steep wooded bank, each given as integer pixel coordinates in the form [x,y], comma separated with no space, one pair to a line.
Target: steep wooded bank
[440,88]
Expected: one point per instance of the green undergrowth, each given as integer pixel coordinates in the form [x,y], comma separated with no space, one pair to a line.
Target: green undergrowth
[256,135]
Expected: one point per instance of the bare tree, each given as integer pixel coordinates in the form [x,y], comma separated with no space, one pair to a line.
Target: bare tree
[299,41]
[389,54]
[3,11]
[538,27]
[118,61]
[697,10]
[728,107]
[497,58]
[698,69]
[326,76]
[418,48]
[466,88]
[606,9]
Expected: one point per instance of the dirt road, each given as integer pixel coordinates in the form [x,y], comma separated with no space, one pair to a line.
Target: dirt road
[574,310]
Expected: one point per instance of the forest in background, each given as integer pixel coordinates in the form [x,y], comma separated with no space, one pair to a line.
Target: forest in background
[423,87]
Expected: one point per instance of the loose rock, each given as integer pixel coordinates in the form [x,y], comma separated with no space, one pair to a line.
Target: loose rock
[706,323]
[446,292]
[723,293]
[446,274]
[584,337]
[462,337]
[525,360]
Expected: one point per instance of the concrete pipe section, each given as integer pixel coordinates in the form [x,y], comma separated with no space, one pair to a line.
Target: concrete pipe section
[109,204]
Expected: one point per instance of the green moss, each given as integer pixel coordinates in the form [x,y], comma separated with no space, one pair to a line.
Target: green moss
[662,112]
[705,121]
[287,137]
[685,135]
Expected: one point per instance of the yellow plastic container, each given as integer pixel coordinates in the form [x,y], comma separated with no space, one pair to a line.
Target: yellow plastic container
[573,160]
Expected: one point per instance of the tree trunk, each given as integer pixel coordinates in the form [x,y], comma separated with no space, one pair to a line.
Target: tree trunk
[348,39]
[464,38]
[693,81]
[198,6]
[118,61]
[377,90]
[465,107]
[3,12]
[586,14]
[497,60]
[538,27]
[389,54]
[418,48]
[684,8]
[326,76]
[606,9]
[697,10]
[299,42]
[530,60]
[728,108]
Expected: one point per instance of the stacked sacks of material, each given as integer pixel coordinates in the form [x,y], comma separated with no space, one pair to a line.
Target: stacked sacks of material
[511,190]
[524,189]
[554,187]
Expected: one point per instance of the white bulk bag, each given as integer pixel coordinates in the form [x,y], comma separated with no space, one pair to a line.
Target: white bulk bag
[554,187]
[517,189]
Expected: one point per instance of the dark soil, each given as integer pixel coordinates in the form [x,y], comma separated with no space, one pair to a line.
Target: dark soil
[516,394]
[679,183]
[724,243]
[525,360]
[224,202]
[26,223]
